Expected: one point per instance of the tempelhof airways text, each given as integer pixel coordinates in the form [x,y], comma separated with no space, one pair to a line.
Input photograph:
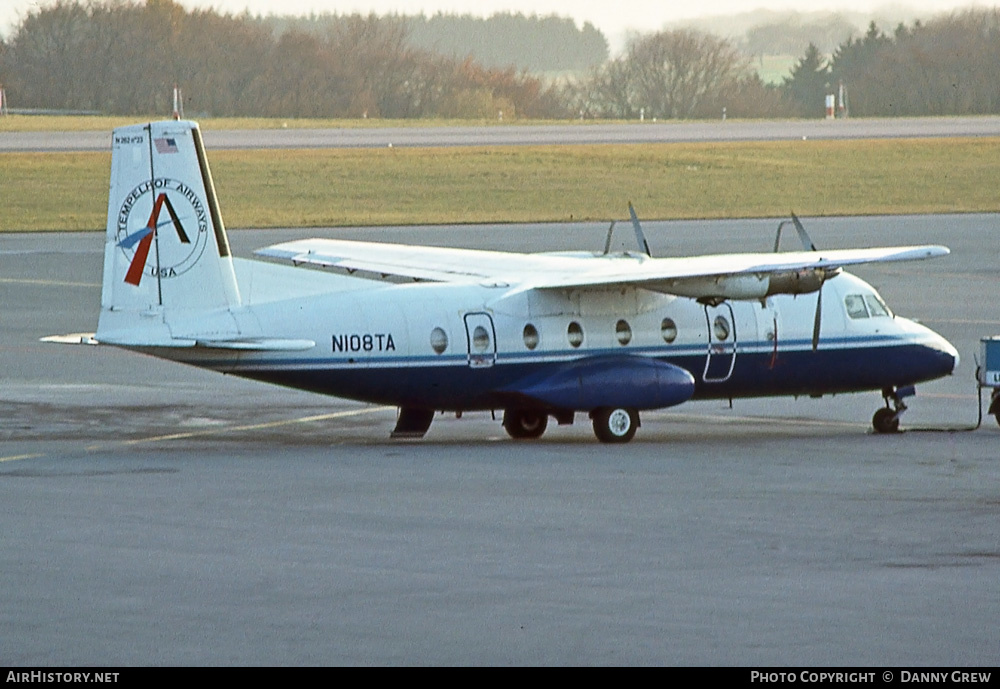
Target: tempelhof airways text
[905,676]
[62,677]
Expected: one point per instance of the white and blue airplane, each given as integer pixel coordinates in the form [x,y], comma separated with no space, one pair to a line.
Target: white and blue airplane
[539,336]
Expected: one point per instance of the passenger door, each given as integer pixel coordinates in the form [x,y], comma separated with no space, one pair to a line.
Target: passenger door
[721,343]
[481,338]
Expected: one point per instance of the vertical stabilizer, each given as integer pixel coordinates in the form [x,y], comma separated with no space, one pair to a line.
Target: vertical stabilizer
[166,255]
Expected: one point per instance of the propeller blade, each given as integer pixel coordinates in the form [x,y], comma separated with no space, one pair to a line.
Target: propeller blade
[640,237]
[818,317]
[807,242]
[607,242]
[777,238]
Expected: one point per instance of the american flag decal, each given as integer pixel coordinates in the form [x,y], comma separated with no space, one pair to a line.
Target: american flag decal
[165,145]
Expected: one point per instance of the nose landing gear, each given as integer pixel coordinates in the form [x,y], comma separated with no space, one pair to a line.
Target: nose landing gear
[886,419]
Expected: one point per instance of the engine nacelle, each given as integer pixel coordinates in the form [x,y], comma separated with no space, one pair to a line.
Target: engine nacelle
[800,281]
[753,285]
[722,287]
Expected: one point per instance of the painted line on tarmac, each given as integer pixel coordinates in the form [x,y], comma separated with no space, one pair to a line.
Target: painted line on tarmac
[187,435]
[771,420]
[958,321]
[46,283]
[17,458]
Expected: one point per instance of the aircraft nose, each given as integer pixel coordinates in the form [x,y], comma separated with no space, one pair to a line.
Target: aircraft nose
[945,354]
[956,359]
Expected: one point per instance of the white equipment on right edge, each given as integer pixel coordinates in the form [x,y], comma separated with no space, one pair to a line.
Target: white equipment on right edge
[989,371]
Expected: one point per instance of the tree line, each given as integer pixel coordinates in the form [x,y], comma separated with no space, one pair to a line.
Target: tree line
[946,66]
[123,57]
[533,43]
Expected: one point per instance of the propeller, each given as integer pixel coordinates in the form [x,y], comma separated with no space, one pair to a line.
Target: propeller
[807,242]
[818,318]
[808,245]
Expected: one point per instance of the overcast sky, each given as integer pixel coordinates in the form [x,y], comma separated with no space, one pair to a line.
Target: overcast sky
[613,17]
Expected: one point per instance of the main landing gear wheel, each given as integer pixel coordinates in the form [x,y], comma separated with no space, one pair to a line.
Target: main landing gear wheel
[615,425]
[525,423]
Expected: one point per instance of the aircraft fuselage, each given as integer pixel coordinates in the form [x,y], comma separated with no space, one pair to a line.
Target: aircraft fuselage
[461,347]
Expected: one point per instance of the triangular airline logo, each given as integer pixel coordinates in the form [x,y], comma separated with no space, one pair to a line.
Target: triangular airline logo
[144,238]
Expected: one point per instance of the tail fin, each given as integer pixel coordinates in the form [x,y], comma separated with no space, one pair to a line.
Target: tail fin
[166,254]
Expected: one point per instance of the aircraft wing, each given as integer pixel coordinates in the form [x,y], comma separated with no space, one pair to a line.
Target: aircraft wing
[434,264]
[723,276]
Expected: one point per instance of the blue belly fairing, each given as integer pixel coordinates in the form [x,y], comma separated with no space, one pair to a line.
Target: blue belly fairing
[451,384]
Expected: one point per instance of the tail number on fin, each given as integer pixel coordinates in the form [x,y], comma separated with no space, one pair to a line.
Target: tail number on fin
[173,258]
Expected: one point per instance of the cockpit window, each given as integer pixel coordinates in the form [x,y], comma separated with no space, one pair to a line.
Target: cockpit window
[876,307]
[855,304]
[866,306]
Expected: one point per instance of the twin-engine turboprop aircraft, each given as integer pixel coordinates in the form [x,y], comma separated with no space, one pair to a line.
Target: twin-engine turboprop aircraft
[536,335]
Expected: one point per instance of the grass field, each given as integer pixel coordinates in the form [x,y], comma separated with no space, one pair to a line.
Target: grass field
[331,187]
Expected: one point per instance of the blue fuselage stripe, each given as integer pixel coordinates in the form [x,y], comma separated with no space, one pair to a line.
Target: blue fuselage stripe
[449,383]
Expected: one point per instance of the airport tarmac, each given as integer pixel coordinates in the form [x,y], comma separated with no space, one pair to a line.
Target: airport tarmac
[155,514]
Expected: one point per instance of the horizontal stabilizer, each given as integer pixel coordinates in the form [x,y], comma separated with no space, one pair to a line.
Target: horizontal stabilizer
[72,339]
[248,345]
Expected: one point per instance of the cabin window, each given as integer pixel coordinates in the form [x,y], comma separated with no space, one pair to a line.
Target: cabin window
[480,339]
[721,328]
[574,333]
[530,335]
[876,307]
[623,332]
[855,304]
[439,340]
[668,329]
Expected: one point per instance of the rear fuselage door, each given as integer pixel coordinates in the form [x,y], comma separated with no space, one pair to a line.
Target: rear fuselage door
[481,339]
[721,343]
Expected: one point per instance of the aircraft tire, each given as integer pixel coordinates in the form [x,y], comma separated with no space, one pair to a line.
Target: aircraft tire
[615,425]
[525,424]
[885,420]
